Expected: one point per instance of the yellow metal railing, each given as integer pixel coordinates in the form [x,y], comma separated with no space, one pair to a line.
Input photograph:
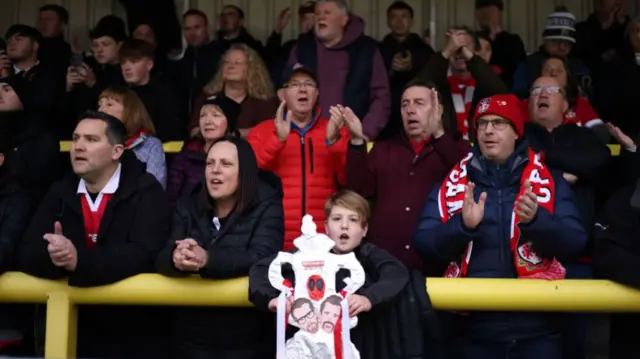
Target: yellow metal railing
[176,146]
[445,294]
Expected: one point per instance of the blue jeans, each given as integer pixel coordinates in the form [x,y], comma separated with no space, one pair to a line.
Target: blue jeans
[545,347]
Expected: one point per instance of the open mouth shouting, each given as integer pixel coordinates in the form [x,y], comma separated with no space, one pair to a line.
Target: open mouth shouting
[543,103]
[215,182]
[303,100]
[344,238]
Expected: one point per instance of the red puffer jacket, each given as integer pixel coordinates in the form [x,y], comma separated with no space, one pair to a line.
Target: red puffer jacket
[309,169]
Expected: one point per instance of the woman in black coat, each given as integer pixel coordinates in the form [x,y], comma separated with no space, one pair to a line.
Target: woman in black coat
[225,226]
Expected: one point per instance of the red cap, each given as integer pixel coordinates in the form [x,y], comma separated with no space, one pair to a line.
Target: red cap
[506,106]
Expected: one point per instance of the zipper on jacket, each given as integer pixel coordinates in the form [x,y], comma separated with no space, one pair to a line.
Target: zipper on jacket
[311,155]
[500,229]
[304,176]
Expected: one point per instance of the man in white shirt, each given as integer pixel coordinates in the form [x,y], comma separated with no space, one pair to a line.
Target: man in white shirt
[104,222]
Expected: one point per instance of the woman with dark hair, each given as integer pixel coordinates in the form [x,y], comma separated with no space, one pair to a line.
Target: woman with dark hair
[217,118]
[225,226]
[580,110]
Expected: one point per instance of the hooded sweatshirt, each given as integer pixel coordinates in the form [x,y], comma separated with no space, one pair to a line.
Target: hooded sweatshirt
[331,72]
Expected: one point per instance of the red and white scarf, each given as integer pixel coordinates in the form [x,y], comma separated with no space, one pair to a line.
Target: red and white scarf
[137,139]
[462,91]
[529,265]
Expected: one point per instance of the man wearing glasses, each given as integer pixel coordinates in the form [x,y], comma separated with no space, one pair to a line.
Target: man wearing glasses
[305,315]
[582,158]
[307,151]
[502,213]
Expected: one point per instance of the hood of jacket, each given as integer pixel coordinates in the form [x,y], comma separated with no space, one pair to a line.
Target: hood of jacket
[353,30]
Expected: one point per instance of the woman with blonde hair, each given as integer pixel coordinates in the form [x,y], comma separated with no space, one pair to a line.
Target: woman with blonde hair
[242,77]
[122,103]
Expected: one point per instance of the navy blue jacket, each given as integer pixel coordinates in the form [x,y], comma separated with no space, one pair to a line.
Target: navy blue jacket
[560,235]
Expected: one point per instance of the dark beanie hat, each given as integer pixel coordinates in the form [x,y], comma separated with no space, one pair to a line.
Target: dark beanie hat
[484,3]
[229,107]
[23,87]
[111,26]
[560,26]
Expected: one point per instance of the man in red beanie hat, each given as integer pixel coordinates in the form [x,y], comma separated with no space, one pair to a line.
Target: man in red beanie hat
[502,213]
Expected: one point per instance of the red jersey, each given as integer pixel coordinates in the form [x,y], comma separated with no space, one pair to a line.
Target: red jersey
[92,213]
[462,90]
[93,210]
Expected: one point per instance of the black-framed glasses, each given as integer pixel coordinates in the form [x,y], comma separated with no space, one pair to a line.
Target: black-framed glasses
[303,319]
[498,124]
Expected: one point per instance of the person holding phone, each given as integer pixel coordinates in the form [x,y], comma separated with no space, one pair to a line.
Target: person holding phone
[85,80]
[308,152]
[5,63]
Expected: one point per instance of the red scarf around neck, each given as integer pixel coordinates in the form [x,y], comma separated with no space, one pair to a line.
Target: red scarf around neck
[528,264]
[462,91]
[135,136]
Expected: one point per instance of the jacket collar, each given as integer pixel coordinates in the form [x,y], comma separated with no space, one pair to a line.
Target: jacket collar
[270,186]
[131,180]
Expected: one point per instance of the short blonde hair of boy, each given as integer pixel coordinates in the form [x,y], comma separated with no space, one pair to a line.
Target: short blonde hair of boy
[351,201]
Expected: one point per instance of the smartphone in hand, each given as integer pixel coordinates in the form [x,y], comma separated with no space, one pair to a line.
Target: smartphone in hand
[76,60]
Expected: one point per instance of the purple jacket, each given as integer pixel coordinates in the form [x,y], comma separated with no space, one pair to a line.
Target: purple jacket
[186,172]
[333,66]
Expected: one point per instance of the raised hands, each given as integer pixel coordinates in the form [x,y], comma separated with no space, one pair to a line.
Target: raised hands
[282,122]
[458,41]
[472,211]
[61,250]
[434,116]
[336,121]
[527,204]
[283,20]
[188,256]
[625,141]
[341,116]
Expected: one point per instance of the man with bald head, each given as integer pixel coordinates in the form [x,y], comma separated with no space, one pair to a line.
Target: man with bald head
[581,156]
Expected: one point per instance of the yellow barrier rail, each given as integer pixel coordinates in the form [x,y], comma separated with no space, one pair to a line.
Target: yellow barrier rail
[176,146]
[445,294]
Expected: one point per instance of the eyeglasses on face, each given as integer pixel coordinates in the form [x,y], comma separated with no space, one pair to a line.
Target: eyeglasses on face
[299,85]
[310,315]
[498,124]
[551,90]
